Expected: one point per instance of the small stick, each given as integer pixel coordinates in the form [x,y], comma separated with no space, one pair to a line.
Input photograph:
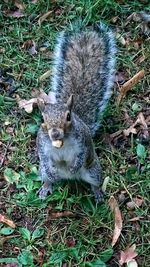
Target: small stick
[129,85]
[5,153]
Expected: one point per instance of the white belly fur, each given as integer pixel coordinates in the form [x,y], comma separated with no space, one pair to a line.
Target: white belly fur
[66,154]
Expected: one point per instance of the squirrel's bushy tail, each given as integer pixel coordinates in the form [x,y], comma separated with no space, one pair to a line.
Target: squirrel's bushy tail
[84,65]
[108,68]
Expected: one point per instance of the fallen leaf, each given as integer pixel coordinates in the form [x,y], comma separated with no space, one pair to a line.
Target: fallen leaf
[10,130]
[129,85]
[132,263]
[139,121]
[135,203]
[145,27]
[7,82]
[133,17]
[114,19]
[5,239]
[121,197]
[2,50]
[15,14]
[143,123]
[148,120]
[140,59]
[44,17]
[27,104]
[128,255]
[40,96]
[19,4]
[30,45]
[105,183]
[5,220]
[70,242]
[46,75]
[65,265]
[121,77]
[130,130]
[118,219]
[11,264]
[62,214]
[32,50]
[121,39]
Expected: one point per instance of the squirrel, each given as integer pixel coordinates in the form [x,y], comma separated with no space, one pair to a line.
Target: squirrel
[82,82]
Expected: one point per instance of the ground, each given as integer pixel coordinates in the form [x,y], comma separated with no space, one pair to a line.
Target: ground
[68,229]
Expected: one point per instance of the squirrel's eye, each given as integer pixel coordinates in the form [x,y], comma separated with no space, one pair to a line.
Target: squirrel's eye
[68,117]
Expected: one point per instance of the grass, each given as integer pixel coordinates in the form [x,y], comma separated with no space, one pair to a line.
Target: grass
[40,239]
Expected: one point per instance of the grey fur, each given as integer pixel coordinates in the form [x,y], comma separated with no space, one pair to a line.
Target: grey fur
[83,66]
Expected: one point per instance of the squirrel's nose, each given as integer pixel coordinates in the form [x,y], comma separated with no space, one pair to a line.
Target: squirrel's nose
[55,134]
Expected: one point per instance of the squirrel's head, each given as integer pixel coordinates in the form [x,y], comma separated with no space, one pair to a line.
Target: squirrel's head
[57,118]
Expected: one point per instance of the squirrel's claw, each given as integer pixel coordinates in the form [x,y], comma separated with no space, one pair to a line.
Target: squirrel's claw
[99,195]
[44,190]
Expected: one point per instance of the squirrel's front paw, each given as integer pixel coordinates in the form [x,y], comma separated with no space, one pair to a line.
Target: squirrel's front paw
[44,190]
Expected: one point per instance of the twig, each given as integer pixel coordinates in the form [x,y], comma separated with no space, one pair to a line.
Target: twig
[5,153]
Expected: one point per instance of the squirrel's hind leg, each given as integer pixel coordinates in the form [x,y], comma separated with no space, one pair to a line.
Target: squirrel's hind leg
[47,185]
[92,176]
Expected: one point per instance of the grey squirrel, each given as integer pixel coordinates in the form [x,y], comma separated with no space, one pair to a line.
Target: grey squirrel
[83,74]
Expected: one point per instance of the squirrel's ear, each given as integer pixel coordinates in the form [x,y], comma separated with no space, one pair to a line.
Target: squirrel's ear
[70,102]
[41,104]
[52,97]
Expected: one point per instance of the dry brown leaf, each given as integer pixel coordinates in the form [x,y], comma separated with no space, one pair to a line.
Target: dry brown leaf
[41,96]
[135,203]
[44,17]
[70,242]
[130,130]
[143,123]
[5,220]
[46,75]
[121,77]
[30,45]
[140,121]
[128,255]
[118,219]
[26,104]
[148,121]
[129,85]
[32,50]
[140,59]
[133,17]
[57,215]
[19,4]
[5,239]
[15,14]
